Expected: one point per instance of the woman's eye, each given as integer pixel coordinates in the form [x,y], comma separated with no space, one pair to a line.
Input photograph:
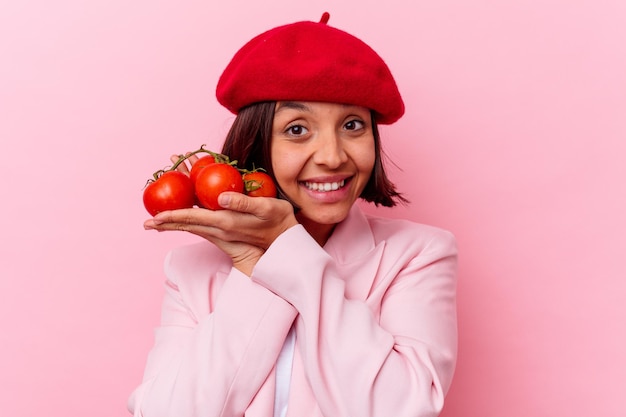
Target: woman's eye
[354,125]
[296,130]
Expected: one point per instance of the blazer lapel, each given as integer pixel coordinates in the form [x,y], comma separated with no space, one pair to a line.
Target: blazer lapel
[353,247]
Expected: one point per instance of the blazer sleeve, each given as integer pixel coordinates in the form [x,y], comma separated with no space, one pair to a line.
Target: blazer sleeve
[212,362]
[396,363]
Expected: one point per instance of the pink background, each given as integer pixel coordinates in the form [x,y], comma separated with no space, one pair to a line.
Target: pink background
[514,138]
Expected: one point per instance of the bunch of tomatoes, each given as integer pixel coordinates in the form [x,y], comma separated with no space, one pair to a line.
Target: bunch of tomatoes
[210,175]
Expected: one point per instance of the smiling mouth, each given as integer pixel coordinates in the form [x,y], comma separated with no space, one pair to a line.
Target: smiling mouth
[324,187]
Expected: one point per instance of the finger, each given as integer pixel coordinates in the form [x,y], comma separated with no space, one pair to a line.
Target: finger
[226,224]
[192,159]
[238,202]
[181,167]
[199,218]
[187,220]
[260,207]
[188,216]
[214,233]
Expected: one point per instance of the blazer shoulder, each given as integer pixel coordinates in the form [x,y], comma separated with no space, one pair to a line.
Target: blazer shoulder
[195,264]
[196,256]
[404,231]
[195,274]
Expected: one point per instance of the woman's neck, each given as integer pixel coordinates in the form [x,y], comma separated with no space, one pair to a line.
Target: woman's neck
[320,232]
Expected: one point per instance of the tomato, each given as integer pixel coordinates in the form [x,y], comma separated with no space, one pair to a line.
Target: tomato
[214,179]
[171,191]
[259,184]
[198,165]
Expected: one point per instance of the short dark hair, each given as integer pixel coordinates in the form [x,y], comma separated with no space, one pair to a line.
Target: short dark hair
[249,138]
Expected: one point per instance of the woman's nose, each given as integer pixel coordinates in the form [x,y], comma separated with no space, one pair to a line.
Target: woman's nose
[330,150]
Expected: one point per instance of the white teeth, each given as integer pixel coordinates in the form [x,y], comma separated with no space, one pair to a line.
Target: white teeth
[325,186]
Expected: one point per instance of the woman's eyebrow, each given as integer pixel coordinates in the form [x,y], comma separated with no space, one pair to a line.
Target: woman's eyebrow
[296,105]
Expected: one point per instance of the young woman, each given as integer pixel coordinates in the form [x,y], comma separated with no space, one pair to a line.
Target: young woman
[303,305]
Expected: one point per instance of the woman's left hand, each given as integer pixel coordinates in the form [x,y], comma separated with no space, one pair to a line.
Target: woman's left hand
[243,230]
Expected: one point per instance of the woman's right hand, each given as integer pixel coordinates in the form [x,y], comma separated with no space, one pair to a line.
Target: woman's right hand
[243,230]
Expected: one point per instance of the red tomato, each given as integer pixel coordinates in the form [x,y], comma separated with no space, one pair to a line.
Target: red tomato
[214,179]
[259,184]
[173,190]
[198,165]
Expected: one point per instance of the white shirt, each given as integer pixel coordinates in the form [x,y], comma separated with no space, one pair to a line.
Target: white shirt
[283,374]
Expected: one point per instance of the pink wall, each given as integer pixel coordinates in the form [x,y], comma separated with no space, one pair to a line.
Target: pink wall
[514,138]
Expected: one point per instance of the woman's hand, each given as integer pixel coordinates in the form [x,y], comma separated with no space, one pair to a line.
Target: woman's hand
[243,230]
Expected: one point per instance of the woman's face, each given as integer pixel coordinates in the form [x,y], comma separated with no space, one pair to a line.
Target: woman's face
[322,157]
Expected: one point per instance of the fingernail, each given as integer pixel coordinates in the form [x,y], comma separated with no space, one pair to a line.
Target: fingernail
[223,200]
[156,220]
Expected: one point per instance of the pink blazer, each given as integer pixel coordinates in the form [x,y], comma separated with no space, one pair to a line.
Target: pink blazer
[374,313]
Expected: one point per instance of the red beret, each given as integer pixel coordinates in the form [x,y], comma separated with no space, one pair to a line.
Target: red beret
[309,61]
